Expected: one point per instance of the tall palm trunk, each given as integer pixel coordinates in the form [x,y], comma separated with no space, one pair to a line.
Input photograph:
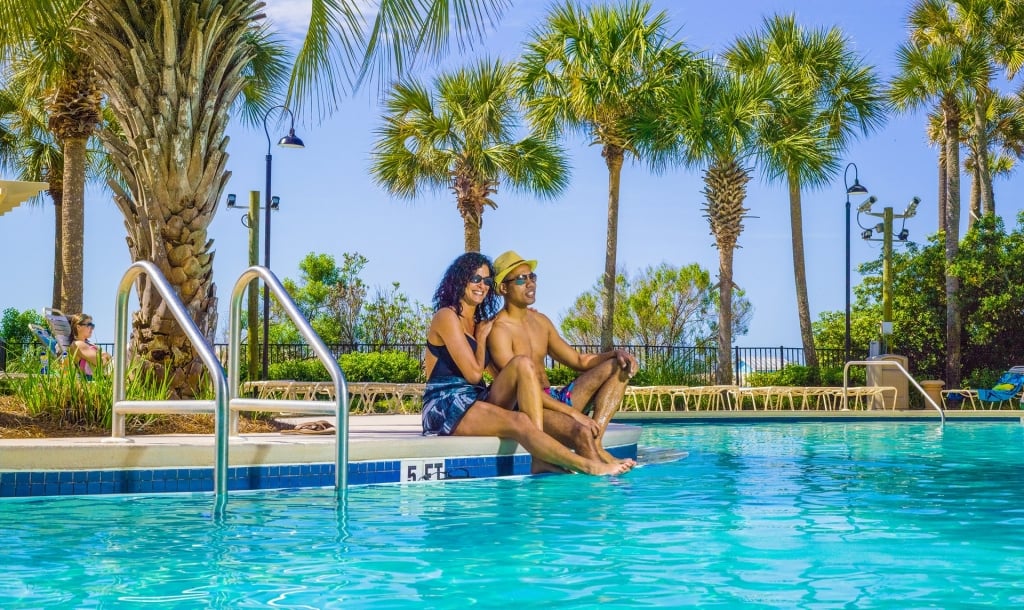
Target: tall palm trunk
[983,168]
[189,73]
[975,199]
[951,126]
[803,306]
[613,157]
[73,226]
[74,109]
[943,186]
[725,189]
[57,195]
[471,194]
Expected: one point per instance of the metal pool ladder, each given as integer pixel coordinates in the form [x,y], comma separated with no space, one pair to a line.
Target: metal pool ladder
[226,401]
[897,365]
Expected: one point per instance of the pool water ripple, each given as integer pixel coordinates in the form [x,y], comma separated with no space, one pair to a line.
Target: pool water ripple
[860,514]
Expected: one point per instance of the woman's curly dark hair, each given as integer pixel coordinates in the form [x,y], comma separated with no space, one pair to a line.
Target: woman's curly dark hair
[453,285]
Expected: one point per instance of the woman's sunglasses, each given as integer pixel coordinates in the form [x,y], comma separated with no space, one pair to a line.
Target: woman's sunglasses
[479,279]
[89,324]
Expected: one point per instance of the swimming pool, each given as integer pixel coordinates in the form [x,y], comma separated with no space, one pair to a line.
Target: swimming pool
[809,515]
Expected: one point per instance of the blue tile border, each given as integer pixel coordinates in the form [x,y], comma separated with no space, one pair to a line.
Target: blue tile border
[87,482]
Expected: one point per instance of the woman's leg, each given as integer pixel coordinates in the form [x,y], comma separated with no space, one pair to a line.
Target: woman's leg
[485,419]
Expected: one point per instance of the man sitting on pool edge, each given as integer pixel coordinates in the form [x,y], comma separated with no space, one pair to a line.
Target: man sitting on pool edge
[521,331]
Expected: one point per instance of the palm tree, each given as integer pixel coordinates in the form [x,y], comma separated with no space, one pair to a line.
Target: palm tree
[936,67]
[48,55]
[846,101]
[173,102]
[594,72]
[460,135]
[721,122]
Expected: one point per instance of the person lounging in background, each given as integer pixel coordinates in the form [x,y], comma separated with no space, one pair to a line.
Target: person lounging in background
[456,400]
[86,356]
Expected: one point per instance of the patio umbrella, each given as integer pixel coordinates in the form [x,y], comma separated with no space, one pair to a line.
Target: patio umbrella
[15,192]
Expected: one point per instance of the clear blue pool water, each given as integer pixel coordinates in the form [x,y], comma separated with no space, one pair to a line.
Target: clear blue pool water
[802,515]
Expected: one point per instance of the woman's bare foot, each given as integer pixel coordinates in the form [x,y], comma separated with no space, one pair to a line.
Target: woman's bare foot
[539,466]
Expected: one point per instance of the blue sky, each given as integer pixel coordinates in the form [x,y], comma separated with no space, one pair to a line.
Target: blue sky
[330,204]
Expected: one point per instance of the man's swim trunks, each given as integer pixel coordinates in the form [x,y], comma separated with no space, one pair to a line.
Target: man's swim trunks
[563,396]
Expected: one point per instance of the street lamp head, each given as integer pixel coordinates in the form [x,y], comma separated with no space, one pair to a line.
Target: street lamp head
[912,208]
[231,200]
[291,140]
[275,202]
[856,188]
[866,206]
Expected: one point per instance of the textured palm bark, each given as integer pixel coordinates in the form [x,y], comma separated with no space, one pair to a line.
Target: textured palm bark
[803,306]
[74,109]
[725,189]
[613,157]
[171,72]
[951,117]
[57,196]
[471,195]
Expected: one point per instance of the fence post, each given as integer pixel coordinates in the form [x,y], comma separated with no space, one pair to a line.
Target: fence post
[736,365]
[3,356]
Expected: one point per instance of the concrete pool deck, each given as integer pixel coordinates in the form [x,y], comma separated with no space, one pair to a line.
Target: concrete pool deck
[382,449]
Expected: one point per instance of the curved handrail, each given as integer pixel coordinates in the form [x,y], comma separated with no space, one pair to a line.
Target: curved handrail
[314,340]
[892,363]
[199,343]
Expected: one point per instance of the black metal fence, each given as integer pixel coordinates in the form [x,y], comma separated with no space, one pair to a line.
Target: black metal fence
[698,363]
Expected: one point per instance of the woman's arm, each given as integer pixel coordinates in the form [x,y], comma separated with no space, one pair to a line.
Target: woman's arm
[84,351]
[446,330]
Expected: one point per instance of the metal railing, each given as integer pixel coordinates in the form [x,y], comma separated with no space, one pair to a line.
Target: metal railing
[218,406]
[339,407]
[899,367]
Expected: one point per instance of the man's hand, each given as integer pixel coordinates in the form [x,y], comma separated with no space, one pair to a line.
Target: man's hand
[587,423]
[627,361]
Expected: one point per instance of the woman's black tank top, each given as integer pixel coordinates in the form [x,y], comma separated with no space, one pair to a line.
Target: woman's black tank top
[446,366]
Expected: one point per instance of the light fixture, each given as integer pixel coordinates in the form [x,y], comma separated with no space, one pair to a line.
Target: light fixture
[291,140]
[275,202]
[880,228]
[912,208]
[903,235]
[231,200]
[866,234]
[866,206]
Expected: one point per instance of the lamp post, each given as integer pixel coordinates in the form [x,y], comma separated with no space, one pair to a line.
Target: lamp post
[288,141]
[251,221]
[856,188]
[885,229]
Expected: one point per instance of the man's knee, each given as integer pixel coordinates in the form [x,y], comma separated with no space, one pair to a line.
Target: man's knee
[522,365]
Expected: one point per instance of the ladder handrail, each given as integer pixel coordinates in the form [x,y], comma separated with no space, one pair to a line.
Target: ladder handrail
[892,363]
[199,343]
[319,348]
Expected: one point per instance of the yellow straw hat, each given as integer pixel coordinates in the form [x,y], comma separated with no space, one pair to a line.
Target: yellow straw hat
[507,262]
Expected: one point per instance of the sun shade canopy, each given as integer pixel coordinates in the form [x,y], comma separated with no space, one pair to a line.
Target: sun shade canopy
[15,192]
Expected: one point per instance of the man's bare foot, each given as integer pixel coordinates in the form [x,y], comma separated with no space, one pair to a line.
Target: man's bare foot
[608,458]
[601,469]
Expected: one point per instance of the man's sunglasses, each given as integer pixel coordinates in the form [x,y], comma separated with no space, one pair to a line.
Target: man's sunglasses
[521,278]
[479,279]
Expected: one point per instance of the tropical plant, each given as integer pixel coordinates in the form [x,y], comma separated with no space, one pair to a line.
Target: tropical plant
[595,72]
[48,56]
[173,104]
[461,135]
[845,101]
[663,305]
[719,121]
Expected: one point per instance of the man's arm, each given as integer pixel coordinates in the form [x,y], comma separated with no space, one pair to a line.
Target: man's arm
[564,353]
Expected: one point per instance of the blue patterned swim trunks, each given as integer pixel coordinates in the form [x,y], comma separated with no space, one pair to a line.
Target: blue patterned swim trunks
[563,395]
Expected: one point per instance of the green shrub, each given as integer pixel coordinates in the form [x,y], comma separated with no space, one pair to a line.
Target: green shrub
[561,375]
[982,378]
[666,371]
[381,367]
[796,375]
[66,397]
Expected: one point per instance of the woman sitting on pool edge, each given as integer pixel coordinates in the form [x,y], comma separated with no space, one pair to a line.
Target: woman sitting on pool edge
[456,401]
[82,352]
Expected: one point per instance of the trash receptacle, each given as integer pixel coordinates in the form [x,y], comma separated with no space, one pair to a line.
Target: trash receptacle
[933,388]
[889,376]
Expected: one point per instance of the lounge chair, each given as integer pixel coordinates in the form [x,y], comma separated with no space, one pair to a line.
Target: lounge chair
[56,339]
[1005,391]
